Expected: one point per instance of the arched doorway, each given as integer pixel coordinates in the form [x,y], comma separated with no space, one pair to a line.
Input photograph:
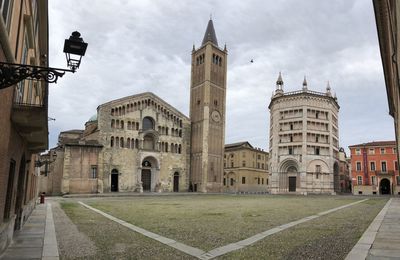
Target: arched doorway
[292,179]
[146,175]
[336,179]
[384,187]
[114,180]
[176,182]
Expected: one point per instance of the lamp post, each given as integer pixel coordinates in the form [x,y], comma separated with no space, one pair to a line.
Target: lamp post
[12,73]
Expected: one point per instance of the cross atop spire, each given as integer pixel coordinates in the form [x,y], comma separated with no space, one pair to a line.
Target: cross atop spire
[210,36]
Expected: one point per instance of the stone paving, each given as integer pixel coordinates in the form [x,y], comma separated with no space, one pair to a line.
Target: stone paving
[37,238]
[381,240]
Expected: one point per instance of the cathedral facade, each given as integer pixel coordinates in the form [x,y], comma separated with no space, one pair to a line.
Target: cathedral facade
[141,143]
[304,140]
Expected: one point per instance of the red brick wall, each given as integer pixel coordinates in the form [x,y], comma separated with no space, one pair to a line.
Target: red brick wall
[389,157]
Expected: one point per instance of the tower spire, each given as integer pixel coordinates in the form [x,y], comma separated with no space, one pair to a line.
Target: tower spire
[279,84]
[279,81]
[305,83]
[210,36]
[328,89]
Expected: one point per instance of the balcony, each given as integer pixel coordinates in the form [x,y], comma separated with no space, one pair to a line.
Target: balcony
[386,173]
[29,116]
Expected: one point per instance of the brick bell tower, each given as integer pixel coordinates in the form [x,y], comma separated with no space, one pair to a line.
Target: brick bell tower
[207,113]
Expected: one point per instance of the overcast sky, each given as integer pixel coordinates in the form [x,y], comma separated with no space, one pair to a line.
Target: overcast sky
[138,46]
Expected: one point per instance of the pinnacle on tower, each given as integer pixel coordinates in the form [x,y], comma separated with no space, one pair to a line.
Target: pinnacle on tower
[328,89]
[210,36]
[305,83]
[279,82]
[279,85]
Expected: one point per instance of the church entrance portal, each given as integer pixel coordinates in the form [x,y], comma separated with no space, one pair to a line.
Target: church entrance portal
[146,179]
[114,180]
[385,186]
[292,184]
[176,182]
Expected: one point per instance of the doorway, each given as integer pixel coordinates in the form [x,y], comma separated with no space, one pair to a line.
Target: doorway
[292,184]
[176,182]
[114,180]
[146,179]
[385,187]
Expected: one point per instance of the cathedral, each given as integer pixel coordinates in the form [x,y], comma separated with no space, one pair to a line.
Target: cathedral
[141,143]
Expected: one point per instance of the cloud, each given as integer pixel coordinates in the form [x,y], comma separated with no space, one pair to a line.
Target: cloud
[145,45]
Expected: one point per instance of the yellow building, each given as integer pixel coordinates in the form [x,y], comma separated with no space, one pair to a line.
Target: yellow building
[23,111]
[245,168]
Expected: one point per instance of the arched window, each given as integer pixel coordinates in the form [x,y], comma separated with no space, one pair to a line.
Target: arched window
[122,124]
[148,123]
[132,143]
[117,124]
[112,111]
[129,125]
[128,143]
[166,130]
[122,142]
[180,133]
[166,147]
[117,142]
[176,148]
[112,123]
[136,143]
[112,141]
[179,149]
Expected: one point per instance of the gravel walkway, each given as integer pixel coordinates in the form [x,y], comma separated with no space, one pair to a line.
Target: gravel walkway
[71,242]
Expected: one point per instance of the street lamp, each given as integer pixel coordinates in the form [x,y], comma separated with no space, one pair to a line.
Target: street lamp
[11,73]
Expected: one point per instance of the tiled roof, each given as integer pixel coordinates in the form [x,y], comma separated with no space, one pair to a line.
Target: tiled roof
[376,143]
[237,144]
[210,36]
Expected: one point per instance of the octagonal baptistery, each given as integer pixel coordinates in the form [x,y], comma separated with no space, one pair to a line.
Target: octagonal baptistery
[304,140]
[146,145]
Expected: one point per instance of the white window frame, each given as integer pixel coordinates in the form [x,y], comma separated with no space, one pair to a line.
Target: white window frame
[371,151]
[357,151]
[370,166]
[359,180]
[360,169]
[386,166]
[373,180]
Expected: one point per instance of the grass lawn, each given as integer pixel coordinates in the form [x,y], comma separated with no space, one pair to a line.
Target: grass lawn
[329,237]
[113,241]
[210,221]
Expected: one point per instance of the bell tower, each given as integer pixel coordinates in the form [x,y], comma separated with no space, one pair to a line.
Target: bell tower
[207,113]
